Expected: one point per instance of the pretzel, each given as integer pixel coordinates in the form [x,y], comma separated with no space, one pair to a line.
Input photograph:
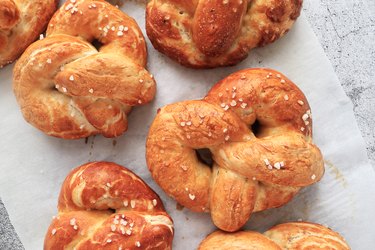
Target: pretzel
[287,236]
[21,22]
[69,89]
[105,206]
[251,172]
[213,33]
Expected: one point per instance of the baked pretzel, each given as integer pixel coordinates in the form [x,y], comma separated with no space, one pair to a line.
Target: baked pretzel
[69,89]
[105,206]
[253,170]
[212,33]
[287,236]
[21,22]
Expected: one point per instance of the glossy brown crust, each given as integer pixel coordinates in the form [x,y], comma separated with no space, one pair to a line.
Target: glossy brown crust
[69,89]
[213,33]
[21,23]
[287,236]
[105,206]
[243,240]
[251,172]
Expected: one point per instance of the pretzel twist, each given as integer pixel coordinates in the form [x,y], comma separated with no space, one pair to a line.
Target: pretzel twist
[251,172]
[105,206]
[212,33]
[69,89]
[291,236]
[21,22]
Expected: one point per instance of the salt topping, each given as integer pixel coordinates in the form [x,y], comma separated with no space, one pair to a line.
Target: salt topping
[132,203]
[192,197]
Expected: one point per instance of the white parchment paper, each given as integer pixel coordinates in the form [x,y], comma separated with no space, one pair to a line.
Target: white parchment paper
[33,165]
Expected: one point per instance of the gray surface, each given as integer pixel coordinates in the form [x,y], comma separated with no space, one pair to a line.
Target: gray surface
[8,238]
[346,30]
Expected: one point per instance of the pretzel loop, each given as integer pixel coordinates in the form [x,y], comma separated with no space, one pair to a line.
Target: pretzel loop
[86,90]
[253,169]
[292,235]
[213,33]
[105,206]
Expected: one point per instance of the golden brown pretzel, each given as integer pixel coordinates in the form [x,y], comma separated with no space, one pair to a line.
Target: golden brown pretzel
[69,89]
[251,172]
[105,206]
[212,33]
[287,236]
[21,22]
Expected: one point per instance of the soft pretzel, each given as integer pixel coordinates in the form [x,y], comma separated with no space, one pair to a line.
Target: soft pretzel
[251,172]
[212,33]
[287,236]
[21,22]
[105,206]
[69,89]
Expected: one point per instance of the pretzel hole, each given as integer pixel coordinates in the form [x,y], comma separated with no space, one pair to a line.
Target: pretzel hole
[204,155]
[97,44]
[112,210]
[256,128]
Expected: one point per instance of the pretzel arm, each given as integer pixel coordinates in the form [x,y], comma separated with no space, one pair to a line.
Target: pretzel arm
[216,25]
[274,159]
[232,199]
[108,76]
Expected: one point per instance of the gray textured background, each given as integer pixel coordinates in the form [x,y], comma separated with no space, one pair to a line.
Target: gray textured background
[346,30]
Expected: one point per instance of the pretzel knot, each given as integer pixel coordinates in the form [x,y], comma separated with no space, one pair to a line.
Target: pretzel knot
[68,88]
[254,167]
[292,235]
[212,33]
[21,22]
[105,206]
